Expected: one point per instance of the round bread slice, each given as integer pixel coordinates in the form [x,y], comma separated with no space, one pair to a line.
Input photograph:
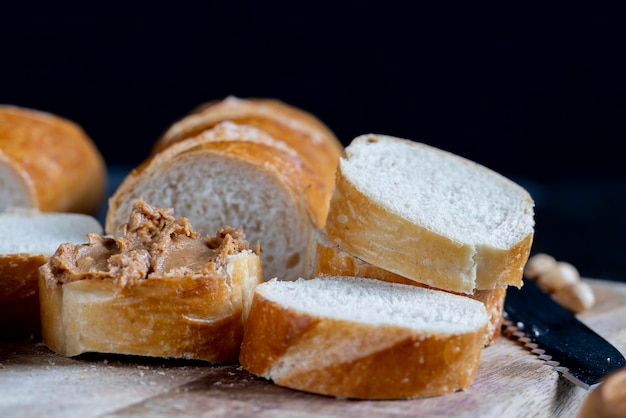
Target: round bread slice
[361,338]
[236,177]
[316,144]
[29,238]
[48,163]
[329,260]
[160,290]
[429,215]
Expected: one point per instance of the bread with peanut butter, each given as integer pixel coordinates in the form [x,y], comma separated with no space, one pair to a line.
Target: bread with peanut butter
[429,215]
[48,163]
[159,289]
[329,260]
[234,175]
[28,238]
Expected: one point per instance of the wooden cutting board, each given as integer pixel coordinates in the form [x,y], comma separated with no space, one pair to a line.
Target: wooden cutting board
[511,382]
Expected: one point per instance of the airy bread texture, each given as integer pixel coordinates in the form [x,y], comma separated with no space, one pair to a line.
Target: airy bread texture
[361,338]
[430,216]
[316,144]
[159,290]
[29,238]
[48,163]
[329,260]
[238,176]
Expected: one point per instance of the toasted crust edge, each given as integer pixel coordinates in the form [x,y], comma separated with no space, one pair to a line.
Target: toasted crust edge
[57,160]
[19,295]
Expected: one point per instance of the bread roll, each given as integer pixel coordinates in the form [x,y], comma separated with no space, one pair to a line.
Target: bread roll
[316,144]
[361,338]
[160,290]
[238,176]
[29,238]
[330,260]
[48,163]
[430,216]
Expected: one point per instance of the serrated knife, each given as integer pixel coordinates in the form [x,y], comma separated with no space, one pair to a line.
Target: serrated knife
[558,337]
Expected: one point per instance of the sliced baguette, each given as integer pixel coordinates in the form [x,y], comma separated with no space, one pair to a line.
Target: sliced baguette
[48,163]
[329,260]
[430,216]
[159,290]
[316,144]
[361,338]
[29,238]
[233,175]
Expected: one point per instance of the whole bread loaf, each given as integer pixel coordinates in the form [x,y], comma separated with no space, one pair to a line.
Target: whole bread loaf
[29,238]
[48,163]
[360,338]
[430,215]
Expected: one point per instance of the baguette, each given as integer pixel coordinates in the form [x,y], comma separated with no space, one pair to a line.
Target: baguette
[159,290]
[233,175]
[429,215]
[329,260]
[360,338]
[48,163]
[29,238]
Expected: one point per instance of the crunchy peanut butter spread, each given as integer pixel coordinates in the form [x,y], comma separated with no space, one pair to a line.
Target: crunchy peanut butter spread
[153,244]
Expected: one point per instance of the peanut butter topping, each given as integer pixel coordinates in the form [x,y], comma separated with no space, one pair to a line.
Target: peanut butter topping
[153,245]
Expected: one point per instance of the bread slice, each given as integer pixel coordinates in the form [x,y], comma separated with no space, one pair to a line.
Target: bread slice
[308,135]
[48,163]
[233,175]
[361,338]
[429,215]
[29,238]
[329,260]
[159,290]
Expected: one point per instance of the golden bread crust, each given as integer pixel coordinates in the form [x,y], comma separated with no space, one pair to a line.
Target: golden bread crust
[19,296]
[59,164]
[354,360]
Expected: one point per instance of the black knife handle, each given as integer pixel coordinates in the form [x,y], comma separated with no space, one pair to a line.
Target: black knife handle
[587,356]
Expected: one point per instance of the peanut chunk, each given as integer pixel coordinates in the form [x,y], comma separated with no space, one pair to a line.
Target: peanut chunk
[608,400]
[561,280]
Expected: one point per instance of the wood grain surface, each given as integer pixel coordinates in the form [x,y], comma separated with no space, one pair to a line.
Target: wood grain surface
[511,382]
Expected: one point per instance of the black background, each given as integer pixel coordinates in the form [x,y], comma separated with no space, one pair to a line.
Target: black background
[538,94]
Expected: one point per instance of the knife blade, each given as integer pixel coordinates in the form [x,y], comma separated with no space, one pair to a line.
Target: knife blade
[555,335]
